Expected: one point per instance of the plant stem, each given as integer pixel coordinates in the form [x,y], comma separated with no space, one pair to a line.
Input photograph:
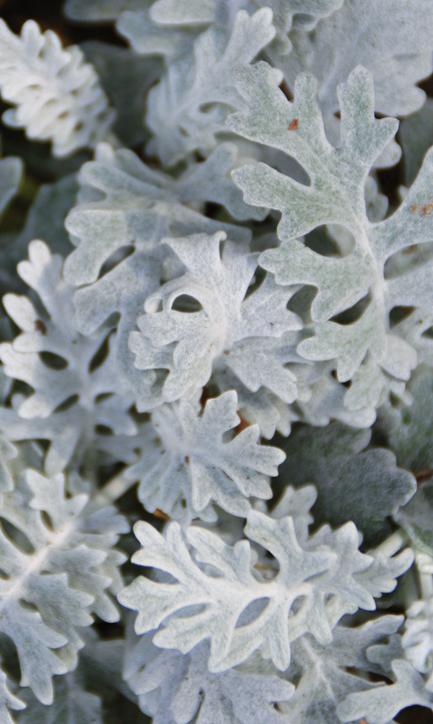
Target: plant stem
[114,489]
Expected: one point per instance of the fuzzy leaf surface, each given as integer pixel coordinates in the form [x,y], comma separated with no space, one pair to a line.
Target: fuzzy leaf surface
[56,94]
[244,333]
[192,458]
[62,567]
[317,582]
[363,346]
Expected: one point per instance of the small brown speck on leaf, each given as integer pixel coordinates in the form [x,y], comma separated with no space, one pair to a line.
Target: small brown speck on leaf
[186,459]
[40,326]
[422,209]
[242,425]
[426,209]
[293,125]
[160,514]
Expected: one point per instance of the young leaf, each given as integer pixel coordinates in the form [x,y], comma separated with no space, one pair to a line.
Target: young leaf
[57,95]
[251,335]
[187,108]
[191,458]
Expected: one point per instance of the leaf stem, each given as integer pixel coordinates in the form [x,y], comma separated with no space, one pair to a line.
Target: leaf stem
[114,489]
[393,543]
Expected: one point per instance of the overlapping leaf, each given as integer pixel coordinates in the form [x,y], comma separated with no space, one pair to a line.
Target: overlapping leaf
[125,203]
[407,424]
[187,109]
[57,570]
[195,694]
[365,282]
[381,704]
[187,462]
[317,582]
[393,40]
[57,95]
[326,675]
[353,482]
[89,389]
[245,334]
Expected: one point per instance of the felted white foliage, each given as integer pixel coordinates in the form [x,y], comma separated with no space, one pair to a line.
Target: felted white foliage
[188,463]
[320,400]
[326,675]
[187,109]
[417,639]
[63,565]
[184,326]
[125,203]
[296,503]
[84,695]
[393,40]
[189,12]
[381,704]
[244,333]
[149,38]
[168,684]
[396,49]
[317,582]
[326,402]
[49,329]
[286,13]
[366,352]
[56,93]
[8,701]
[169,28]
[172,687]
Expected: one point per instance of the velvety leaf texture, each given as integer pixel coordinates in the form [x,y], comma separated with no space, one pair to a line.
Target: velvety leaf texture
[187,461]
[56,94]
[365,350]
[328,573]
[216,361]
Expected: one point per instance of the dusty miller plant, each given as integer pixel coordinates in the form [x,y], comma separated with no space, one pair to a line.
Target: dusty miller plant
[216,381]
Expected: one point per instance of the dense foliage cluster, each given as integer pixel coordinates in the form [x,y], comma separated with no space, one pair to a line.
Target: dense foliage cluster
[216,363]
